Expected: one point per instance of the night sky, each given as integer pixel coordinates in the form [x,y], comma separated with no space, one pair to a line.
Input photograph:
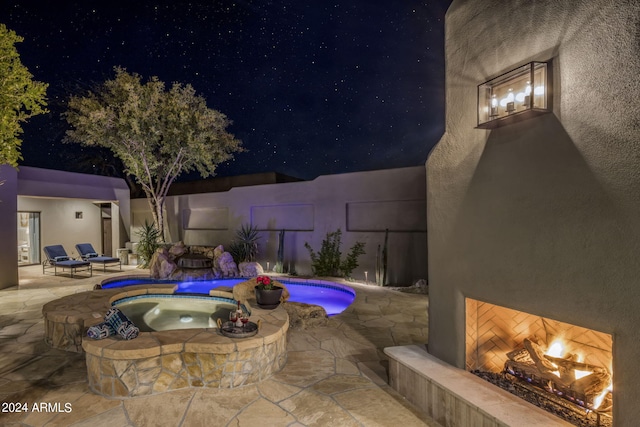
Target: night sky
[313,87]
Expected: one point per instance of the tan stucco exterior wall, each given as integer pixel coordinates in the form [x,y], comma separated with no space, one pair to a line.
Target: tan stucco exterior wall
[8,228]
[543,215]
[57,195]
[58,225]
[361,204]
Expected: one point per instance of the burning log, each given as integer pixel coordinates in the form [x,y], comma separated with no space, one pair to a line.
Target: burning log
[559,375]
[536,353]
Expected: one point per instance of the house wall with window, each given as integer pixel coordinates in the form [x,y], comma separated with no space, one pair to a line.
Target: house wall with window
[541,215]
[59,225]
[362,205]
[57,196]
[71,206]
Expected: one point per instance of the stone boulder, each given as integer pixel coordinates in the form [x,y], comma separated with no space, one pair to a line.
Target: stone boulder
[177,250]
[202,250]
[303,316]
[246,290]
[250,269]
[218,250]
[225,264]
[162,265]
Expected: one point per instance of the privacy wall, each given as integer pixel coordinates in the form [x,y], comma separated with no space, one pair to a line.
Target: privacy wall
[362,205]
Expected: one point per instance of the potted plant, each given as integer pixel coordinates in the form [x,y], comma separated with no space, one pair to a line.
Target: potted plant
[267,294]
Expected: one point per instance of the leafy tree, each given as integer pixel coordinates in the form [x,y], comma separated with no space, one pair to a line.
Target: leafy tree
[20,97]
[156,133]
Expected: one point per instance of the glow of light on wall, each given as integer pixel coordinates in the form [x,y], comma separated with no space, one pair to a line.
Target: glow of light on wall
[539,90]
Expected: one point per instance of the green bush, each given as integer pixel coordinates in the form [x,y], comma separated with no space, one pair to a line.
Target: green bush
[328,262]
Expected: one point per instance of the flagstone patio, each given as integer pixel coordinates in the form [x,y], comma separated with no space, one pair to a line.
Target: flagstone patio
[334,376]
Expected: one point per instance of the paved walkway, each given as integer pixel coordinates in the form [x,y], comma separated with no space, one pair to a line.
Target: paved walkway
[334,376]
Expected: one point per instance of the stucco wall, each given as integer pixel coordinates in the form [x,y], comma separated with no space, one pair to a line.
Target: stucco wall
[361,204]
[542,216]
[58,225]
[8,230]
[59,194]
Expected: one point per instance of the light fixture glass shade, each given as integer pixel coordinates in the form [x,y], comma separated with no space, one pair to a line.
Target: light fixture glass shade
[510,94]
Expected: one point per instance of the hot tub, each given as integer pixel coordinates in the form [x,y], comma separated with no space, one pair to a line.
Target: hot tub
[168,312]
[171,359]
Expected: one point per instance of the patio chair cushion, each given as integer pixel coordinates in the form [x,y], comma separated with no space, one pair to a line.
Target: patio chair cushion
[86,250]
[55,251]
[61,258]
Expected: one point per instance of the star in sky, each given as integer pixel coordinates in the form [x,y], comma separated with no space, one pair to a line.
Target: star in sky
[313,87]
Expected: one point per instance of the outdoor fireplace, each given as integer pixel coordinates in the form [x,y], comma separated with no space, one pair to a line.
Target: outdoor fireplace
[553,359]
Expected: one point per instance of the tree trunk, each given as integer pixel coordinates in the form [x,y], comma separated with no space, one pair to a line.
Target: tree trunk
[160,220]
[156,204]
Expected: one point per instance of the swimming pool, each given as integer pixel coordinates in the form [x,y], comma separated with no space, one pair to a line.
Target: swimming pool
[333,297]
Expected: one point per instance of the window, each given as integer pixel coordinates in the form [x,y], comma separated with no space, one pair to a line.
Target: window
[513,96]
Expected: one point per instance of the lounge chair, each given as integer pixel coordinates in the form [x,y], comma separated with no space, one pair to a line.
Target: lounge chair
[57,258]
[87,253]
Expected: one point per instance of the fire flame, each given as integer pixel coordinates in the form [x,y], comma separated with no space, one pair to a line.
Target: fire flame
[557,349]
[598,400]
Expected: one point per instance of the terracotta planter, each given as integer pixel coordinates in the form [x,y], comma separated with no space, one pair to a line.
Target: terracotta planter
[268,298]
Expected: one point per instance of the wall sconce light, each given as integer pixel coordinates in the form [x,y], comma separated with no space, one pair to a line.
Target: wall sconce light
[519,94]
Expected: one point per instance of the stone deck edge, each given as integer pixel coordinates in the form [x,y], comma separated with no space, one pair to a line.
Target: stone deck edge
[454,397]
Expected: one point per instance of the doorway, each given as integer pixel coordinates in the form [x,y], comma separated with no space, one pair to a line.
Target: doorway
[107,233]
[28,238]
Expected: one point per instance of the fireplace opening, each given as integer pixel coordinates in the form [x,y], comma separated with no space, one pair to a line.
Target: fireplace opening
[563,368]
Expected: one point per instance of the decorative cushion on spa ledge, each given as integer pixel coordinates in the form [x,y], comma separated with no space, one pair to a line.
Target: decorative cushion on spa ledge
[115,322]
[100,331]
[121,324]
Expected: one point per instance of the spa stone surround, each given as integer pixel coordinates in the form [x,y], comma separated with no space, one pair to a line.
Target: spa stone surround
[66,319]
[156,362]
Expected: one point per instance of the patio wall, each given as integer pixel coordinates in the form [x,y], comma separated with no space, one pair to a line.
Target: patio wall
[8,230]
[58,225]
[361,204]
[57,195]
[541,216]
